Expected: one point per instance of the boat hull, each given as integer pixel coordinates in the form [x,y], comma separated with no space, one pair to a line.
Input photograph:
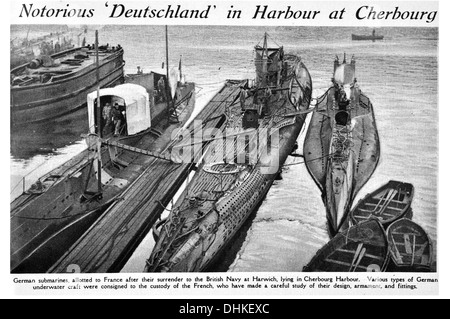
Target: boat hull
[353,170]
[356,37]
[39,225]
[410,247]
[24,51]
[240,204]
[388,203]
[224,200]
[47,101]
[57,236]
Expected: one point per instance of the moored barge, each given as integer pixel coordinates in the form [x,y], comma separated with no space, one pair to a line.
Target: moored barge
[49,87]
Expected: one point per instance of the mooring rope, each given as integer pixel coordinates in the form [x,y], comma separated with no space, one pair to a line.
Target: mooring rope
[304,162]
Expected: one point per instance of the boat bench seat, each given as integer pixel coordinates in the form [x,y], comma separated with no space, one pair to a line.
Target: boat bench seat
[392,201]
[377,212]
[353,252]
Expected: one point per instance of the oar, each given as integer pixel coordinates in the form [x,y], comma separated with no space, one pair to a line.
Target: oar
[361,255]
[357,252]
[397,253]
[413,249]
[385,195]
[407,244]
[387,201]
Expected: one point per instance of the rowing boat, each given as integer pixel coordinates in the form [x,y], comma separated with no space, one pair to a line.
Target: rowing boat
[228,186]
[53,86]
[388,203]
[360,248]
[410,247]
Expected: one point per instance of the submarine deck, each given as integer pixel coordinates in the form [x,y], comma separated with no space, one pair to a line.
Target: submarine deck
[109,243]
[74,164]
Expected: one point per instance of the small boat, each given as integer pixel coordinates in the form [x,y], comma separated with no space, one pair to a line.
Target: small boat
[356,37]
[341,147]
[52,86]
[388,203]
[371,37]
[361,248]
[228,186]
[410,247]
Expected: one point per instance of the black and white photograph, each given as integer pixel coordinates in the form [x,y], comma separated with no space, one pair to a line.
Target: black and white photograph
[225,149]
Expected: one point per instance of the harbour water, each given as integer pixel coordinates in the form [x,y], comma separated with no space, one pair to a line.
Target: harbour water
[399,74]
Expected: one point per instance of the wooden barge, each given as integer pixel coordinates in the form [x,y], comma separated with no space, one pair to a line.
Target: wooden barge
[361,248]
[52,86]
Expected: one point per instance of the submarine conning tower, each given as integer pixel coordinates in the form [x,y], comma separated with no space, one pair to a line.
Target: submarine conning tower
[344,80]
[269,64]
[344,73]
[269,76]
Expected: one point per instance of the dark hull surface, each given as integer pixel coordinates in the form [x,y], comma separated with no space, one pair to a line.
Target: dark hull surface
[45,224]
[361,248]
[410,247]
[66,93]
[341,153]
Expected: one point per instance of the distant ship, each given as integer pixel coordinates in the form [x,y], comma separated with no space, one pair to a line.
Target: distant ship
[372,37]
[229,186]
[341,147]
[49,87]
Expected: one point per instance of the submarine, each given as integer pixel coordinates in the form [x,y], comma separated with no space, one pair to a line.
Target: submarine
[342,146]
[236,171]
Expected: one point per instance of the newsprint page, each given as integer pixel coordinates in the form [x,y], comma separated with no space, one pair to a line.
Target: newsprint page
[224,150]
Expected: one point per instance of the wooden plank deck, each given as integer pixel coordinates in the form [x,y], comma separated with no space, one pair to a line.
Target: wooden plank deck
[110,242]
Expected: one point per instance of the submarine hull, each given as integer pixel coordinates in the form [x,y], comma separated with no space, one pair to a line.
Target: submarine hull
[228,186]
[241,203]
[341,152]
